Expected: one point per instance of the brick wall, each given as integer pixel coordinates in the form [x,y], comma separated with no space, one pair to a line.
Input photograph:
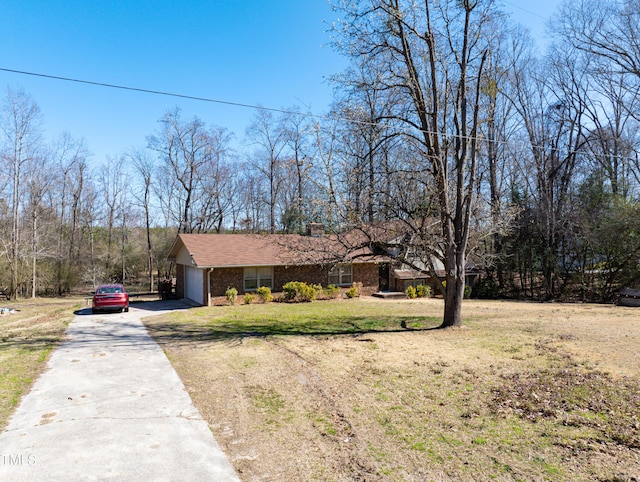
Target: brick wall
[309,274]
[205,288]
[179,281]
[223,278]
[368,275]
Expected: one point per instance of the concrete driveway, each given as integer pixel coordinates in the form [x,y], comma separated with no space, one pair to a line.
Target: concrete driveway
[110,407]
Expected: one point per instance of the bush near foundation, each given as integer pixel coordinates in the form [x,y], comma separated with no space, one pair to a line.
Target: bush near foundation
[264,293]
[232,295]
[298,292]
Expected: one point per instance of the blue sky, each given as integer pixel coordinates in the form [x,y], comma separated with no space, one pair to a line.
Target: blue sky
[274,53]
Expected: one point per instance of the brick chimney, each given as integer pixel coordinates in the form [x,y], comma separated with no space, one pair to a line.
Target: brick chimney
[315,230]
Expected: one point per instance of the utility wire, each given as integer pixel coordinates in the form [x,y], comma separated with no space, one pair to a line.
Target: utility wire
[525,10]
[247,106]
[155,92]
[192,97]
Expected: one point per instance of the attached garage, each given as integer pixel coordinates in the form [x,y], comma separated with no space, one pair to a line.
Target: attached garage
[194,284]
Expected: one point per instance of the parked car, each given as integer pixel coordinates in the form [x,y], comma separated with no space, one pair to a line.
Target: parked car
[112,297]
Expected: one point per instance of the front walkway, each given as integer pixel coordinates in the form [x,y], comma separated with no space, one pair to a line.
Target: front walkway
[110,407]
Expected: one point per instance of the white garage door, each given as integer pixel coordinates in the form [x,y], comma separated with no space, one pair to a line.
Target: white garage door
[194,287]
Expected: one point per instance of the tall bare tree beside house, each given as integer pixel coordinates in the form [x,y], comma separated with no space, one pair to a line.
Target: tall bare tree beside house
[365,144]
[270,141]
[434,54]
[191,161]
[498,133]
[216,179]
[180,148]
[299,161]
[322,183]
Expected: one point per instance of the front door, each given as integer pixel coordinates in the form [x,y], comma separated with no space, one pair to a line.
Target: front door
[383,277]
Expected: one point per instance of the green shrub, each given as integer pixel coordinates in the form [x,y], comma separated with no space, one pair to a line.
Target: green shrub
[264,292]
[232,295]
[353,292]
[249,298]
[333,291]
[423,291]
[298,291]
[411,292]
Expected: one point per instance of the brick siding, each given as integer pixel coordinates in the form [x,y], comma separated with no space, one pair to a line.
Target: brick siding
[179,281]
[223,278]
[369,276]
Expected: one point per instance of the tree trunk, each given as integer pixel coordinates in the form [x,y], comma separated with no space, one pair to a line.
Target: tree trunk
[454,295]
[454,290]
[34,252]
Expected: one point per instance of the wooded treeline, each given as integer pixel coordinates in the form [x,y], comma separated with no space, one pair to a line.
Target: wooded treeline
[528,161]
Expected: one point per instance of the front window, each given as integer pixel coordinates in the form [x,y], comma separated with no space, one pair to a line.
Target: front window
[254,278]
[341,275]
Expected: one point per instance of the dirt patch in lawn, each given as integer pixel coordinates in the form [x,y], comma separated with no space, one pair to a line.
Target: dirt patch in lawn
[524,392]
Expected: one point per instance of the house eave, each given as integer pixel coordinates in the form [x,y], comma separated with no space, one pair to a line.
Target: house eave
[285,265]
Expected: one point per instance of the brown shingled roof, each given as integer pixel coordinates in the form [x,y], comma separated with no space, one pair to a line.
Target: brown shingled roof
[234,250]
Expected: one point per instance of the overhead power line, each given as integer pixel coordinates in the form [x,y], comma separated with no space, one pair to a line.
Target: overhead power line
[526,11]
[155,92]
[242,105]
[192,97]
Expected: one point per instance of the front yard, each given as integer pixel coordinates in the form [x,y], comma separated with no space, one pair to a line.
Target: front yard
[367,390]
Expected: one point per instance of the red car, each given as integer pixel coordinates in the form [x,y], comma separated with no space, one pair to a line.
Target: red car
[110,298]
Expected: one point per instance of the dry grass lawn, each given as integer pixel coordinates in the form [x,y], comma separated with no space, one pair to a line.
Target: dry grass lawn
[27,336]
[367,390]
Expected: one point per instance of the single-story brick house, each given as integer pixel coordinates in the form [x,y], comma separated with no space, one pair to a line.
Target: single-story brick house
[208,264]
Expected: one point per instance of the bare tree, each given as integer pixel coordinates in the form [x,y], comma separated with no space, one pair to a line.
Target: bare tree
[612,142]
[145,167]
[366,139]
[112,186]
[606,35]
[193,163]
[216,183]
[38,183]
[551,103]
[298,165]
[180,147]
[21,128]
[69,158]
[433,57]
[324,199]
[498,132]
[270,141]
[604,29]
